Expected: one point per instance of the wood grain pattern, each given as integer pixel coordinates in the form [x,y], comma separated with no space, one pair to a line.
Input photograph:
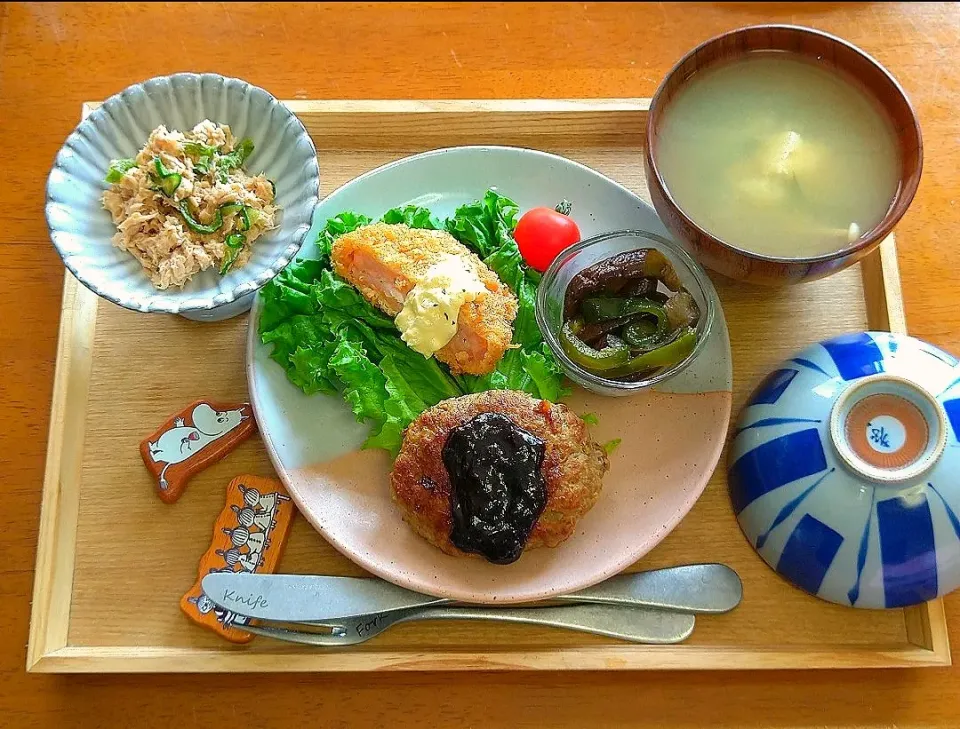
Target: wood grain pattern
[58,523]
[54,56]
[778,627]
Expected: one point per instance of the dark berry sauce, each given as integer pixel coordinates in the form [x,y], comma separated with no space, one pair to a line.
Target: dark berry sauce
[497,490]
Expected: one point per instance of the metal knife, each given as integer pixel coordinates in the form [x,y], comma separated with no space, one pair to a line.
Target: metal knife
[703,588]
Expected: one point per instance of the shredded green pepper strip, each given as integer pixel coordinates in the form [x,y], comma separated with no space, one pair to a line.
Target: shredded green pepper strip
[195,225]
[646,333]
[234,243]
[233,160]
[204,154]
[602,308]
[242,211]
[582,354]
[119,167]
[167,180]
[667,355]
[214,225]
[236,158]
[243,219]
[231,207]
[234,240]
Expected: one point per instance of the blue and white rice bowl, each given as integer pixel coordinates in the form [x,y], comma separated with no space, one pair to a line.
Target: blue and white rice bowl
[844,470]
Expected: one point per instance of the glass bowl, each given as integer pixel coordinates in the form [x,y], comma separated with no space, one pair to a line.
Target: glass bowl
[569,263]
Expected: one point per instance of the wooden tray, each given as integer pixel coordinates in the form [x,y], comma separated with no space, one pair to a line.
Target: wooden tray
[113,560]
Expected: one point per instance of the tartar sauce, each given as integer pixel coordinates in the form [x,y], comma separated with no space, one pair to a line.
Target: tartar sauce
[428,320]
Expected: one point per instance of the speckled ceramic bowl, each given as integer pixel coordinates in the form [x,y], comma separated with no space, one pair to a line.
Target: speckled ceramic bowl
[81,229]
[845,470]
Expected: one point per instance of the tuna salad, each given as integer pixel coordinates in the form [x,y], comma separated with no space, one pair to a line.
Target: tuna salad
[185,204]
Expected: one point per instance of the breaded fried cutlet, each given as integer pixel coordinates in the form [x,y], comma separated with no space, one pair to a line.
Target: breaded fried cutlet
[384,262]
[573,465]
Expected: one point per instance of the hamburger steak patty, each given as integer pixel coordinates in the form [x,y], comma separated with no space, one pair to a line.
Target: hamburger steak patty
[573,465]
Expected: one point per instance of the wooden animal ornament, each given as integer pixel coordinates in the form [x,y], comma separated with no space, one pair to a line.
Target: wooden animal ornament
[199,435]
[251,545]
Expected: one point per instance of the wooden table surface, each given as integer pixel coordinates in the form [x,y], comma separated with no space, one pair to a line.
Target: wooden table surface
[53,56]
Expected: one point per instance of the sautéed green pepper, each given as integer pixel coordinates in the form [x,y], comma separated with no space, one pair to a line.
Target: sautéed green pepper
[629,315]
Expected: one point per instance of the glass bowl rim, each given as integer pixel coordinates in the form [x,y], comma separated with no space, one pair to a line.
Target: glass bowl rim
[704,325]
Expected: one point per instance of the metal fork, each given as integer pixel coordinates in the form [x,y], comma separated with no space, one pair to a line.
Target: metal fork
[636,625]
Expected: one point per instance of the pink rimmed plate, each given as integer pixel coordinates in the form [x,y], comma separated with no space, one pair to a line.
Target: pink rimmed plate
[671,437]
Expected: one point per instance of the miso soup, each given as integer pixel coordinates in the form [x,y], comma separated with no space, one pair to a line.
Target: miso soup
[779,155]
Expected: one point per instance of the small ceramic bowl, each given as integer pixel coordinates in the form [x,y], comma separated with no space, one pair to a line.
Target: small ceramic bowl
[724,256]
[553,287]
[844,470]
[81,230]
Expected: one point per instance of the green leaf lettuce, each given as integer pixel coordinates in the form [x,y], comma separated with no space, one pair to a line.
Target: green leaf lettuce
[331,340]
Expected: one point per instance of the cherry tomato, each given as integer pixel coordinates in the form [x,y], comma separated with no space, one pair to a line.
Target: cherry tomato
[542,233]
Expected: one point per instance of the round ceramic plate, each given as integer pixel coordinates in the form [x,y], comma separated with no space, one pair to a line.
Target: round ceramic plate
[671,438]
